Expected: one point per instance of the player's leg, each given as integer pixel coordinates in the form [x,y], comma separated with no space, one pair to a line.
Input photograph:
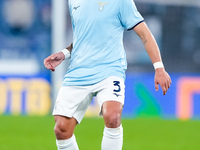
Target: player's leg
[64,129]
[113,131]
[70,107]
[110,96]
[111,111]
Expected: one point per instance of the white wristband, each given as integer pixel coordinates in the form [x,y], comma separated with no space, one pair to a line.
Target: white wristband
[158,65]
[66,53]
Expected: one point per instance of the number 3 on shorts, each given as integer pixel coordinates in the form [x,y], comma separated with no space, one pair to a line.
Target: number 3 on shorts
[116,83]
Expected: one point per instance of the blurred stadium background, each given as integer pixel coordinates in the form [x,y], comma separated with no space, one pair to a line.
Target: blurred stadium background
[30,30]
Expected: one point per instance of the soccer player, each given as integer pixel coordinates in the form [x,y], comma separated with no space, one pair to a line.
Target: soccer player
[97,68]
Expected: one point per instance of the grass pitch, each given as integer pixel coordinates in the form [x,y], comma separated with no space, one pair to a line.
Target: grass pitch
[36,133]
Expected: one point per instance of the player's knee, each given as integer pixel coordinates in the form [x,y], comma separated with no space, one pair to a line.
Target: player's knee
[112,119]
[62,132]
[64,127]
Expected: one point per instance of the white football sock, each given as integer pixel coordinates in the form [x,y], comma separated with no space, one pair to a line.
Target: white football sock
[112,138]
[68,144]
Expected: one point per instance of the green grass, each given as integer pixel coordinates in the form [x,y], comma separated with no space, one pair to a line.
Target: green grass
[36,133]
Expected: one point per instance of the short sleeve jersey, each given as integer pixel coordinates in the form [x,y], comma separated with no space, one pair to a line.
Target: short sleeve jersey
[98,27]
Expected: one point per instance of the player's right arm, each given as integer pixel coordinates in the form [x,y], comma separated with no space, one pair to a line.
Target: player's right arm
[54,60]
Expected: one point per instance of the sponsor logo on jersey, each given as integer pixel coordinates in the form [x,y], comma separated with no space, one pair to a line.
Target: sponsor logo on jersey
[76,7]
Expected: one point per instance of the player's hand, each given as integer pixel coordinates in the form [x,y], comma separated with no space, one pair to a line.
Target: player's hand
[163,79]
[54,60]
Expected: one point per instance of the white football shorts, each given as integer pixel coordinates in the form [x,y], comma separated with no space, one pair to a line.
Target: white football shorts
[73,101]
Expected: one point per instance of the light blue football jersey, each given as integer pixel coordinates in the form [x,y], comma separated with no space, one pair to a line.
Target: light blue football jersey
[98,27]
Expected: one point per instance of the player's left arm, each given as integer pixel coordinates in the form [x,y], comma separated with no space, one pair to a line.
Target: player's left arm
[161,76]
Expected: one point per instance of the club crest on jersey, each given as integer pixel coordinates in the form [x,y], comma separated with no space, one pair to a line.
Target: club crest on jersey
[101,5]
